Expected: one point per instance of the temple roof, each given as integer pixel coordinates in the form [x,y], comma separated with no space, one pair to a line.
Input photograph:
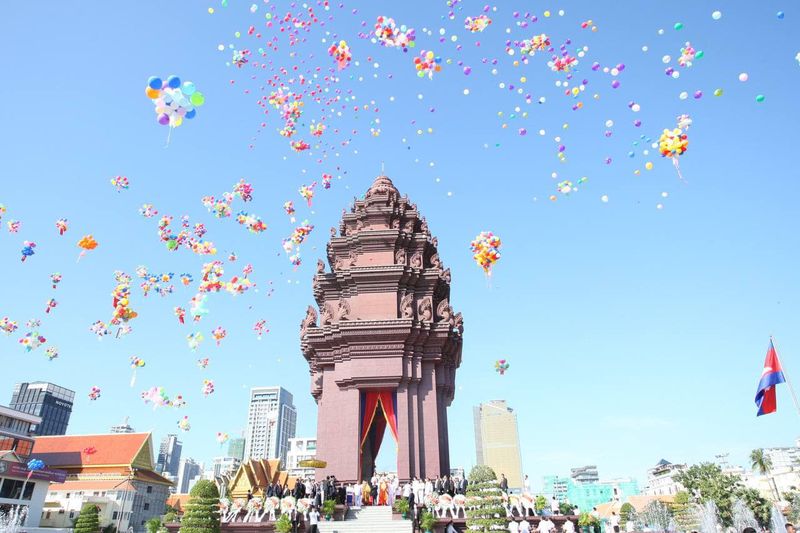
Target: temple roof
[113,449]
[381,185]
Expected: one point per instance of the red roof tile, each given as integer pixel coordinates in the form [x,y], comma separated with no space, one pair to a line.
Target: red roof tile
[68,450]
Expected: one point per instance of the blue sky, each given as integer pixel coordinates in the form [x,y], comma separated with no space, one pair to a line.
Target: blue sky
[633,332]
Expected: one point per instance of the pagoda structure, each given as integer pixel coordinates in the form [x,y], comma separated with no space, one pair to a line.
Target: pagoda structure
[385,345]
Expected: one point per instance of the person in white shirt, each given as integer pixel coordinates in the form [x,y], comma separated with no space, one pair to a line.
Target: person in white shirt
[524,526]
[513,526]
[526,485]
[569,526]
[545,526]
[614,522]
[313,519]
[630,526]
[554,506]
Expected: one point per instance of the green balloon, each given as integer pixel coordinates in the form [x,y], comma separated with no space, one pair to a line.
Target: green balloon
[197,99]
[678,25]
[699,54]
[760,98]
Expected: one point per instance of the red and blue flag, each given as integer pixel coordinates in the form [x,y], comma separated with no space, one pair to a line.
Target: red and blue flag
[770,377]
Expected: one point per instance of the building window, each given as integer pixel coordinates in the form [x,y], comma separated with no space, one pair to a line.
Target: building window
[72,514]
[149,489]
[114,515]
[61,511]
[47,516]
[147,507]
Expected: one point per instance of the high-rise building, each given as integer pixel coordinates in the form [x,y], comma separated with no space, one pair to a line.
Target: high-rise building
[169,455]
[660,479]
[300,449]
[497,440]
[187,471]
[270,423]
[16,431]
[224,465]
[53,404]
[236,448]
[123,428]
[585,474]
[784,457]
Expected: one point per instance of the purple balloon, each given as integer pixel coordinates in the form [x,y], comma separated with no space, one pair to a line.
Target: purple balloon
[163,119]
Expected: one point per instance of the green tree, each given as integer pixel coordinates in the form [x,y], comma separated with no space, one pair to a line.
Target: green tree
[481,473]
[762,464]
[487,514]
[761,507]
[88,521]
[564,508]
[794,505]
[705,482]
[153,525]
[625,513]
[539,503]
[682,511]
[202,511]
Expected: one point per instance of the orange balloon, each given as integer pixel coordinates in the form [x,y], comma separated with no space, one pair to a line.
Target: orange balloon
[152,93]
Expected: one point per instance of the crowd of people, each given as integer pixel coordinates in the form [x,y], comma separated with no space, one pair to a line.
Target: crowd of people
[385,489]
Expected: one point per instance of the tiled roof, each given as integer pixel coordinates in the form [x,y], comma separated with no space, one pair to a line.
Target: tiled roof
[111,449]
[91,485]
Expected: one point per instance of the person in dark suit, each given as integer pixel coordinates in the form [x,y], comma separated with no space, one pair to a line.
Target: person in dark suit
[503,483]
[298,489]
[270,491]
[464,485]
[295,518]
[438,487]
[450,487]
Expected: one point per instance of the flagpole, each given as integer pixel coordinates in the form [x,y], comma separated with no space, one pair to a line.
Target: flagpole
[786,376]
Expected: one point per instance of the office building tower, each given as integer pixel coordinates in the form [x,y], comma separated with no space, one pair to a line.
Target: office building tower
[236,448]
[270,423]
[123,428]
[51,403]
[497,440]
[187,471]
[169,455]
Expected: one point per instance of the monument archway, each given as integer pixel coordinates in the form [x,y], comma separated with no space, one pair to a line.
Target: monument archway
[385,345]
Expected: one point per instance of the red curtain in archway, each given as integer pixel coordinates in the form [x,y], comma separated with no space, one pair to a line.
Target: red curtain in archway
[370,401]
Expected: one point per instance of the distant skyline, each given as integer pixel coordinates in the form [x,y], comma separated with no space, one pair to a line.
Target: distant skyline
[634,312]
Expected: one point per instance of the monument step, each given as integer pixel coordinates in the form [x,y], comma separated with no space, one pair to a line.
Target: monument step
[367,520]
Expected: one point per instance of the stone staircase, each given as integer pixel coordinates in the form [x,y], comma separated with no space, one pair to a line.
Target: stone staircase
[367,520]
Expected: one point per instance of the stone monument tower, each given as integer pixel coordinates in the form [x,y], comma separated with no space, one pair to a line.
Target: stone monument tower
[384,350]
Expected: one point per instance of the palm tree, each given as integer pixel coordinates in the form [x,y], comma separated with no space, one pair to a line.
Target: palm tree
[762,463]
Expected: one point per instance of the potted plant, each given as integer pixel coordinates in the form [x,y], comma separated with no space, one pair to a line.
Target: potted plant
[401,506]
[427,521]
[328,506]
[283,525]
[587,522]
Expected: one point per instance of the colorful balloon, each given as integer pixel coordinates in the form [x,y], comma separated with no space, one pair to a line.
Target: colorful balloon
[208,387]
[486,250]
[172,101]
[500,366]
[120,183]
[341,54]
[427,64]
[27,249]
[61,226]
[219,333]
[477,24]
[94,393]
[183,424]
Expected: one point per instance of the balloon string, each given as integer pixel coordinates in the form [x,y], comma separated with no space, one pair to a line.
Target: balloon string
[169,134]
[678,168]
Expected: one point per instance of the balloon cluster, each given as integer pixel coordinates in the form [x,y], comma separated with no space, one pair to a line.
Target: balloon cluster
[219,333]
[243,190]
[32,340]
[55,279]
[307,192]
[291,245]
[51,353]
[208,387]
[137,362]
[27,249]
[260,328]
[688,55]
[299,146]
[477,24]
[500,366]
[537,43]
[240,57]
[427,64]
[51,304]
[388,34]
[184,238]
[148,211]
[159,398]
[289,208]
[563,63]
[317,129]
[120,183]
[326,181]
[173,100]
[94,393]
[341,54]
[203,363]
[8,326]
[14,226]
[183,424]
[61,226]
[86,244]
[253,222]
[673,143]
[100,329]
[222,438]
[486,250]
[120,299]
[161,283]
[180,313]
[194,340]
[290,107]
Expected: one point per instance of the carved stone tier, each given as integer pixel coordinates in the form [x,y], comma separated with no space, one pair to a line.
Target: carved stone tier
[385,323]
